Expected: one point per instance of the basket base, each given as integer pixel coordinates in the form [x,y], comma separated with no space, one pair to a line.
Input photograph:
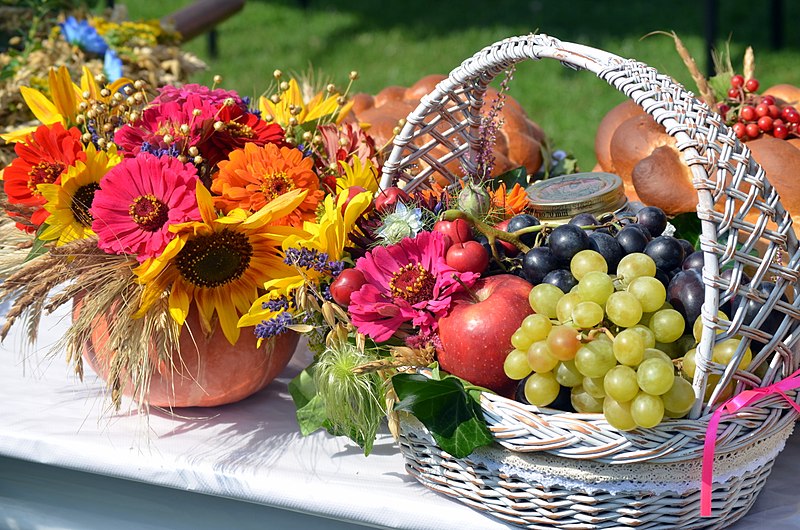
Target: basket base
[483,483]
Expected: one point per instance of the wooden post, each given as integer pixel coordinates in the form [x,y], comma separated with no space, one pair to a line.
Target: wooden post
[201,16]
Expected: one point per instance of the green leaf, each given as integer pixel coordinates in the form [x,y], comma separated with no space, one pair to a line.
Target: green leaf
[510,177]
[311,415]
[688,227]
[450,413]
[38,248]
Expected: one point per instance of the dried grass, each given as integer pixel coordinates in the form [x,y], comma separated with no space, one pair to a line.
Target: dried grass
[105,291]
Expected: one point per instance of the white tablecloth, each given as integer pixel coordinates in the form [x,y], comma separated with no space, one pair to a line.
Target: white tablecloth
[249,452]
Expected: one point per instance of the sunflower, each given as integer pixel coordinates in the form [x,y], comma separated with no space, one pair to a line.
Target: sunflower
[255,175]
[219,262]
[69,202]
[326,238]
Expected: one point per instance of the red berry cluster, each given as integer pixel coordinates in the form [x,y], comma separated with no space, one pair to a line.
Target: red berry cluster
[751,115]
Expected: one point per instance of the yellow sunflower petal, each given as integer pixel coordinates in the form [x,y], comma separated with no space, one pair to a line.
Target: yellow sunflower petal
[205,203]
[277,208]
[228,318]
[179,303]
[41,107]
[204,301]
[151,294]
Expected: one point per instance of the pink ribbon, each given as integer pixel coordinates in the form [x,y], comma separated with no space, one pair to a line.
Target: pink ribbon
[731,406]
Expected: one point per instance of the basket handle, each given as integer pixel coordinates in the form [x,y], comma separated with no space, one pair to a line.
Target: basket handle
[723,173]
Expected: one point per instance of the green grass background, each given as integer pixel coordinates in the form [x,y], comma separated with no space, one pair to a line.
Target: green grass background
[395,43]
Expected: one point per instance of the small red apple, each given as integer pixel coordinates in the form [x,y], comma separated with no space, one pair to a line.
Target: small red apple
[348,282]
[476,335]
[389,197]
[469,256]
[508,248]
[457,230]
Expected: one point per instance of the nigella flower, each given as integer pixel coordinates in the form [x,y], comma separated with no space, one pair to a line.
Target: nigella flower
[112,65]
[406,282]
[83,35]
[404,222]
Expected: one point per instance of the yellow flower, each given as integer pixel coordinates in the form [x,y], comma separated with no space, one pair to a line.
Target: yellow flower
[359,174]
[69,202]
[67,97]
[219,262]
[319,108]
[329,236]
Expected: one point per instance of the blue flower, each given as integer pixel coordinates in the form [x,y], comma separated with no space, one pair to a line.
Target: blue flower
[83,35]
[404,222]
[112,65]
[274,326]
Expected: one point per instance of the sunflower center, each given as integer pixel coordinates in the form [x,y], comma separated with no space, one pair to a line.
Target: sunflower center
[148,212]
[239,130]
[413,283]
[216,259]
[43,173]
[275,185]
[82,201]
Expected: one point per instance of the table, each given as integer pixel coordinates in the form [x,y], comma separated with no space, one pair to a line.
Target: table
[68,461]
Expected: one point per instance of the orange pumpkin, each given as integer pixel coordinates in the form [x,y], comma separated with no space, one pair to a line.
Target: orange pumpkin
[209,370]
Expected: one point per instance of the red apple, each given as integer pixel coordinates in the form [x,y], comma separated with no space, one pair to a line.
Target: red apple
[457,230]
[508,248]
[389,198]
[476,334]
[348,282]
[469,256]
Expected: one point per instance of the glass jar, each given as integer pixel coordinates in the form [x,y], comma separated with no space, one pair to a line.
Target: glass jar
[556,200]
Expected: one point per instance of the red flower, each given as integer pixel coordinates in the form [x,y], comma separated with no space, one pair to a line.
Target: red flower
[41,159]
[232,128]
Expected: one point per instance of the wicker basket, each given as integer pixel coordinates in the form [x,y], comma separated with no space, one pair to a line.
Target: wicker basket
[551,469]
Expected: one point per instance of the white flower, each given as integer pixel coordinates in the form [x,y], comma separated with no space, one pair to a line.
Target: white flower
[404,222]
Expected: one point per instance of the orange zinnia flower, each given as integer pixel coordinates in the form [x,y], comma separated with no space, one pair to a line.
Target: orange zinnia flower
[513,202]
[254,176]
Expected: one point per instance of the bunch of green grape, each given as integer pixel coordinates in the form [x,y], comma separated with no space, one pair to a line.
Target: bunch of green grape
[607,341]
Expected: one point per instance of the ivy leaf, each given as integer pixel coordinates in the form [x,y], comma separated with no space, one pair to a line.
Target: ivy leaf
[310,412]
[688,227]
[510,177]
[451,414]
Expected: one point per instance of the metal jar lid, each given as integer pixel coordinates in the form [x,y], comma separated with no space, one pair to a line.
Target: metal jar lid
[560,198]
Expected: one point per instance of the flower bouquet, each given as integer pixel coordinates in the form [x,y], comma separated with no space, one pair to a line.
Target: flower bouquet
[171,217]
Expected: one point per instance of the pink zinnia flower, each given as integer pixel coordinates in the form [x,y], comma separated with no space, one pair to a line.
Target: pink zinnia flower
[213,96]
[406,282]
[139,199]
[146,134]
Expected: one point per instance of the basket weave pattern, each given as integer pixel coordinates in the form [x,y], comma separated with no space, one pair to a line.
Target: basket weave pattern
[744,226]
